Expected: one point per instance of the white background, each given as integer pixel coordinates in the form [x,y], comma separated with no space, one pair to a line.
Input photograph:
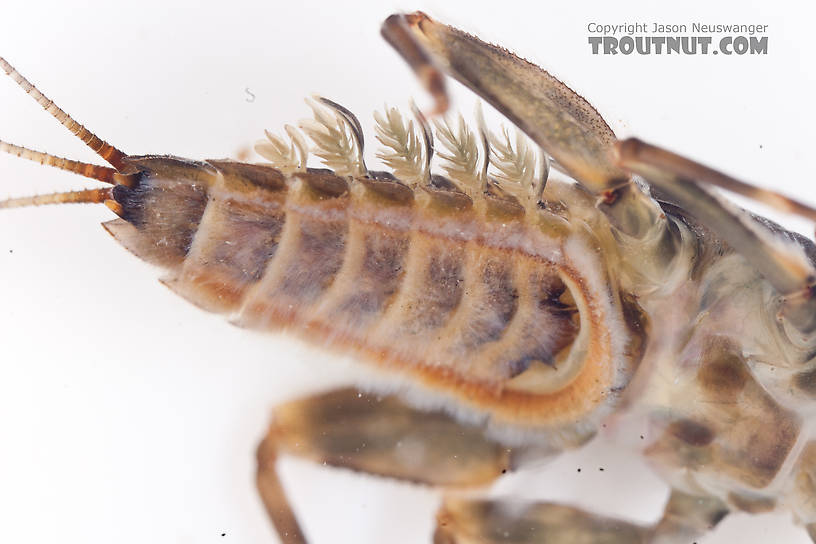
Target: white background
[127,415]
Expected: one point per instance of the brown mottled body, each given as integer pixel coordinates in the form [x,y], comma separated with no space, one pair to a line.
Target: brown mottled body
[468,300]
[521,312]
[484,308]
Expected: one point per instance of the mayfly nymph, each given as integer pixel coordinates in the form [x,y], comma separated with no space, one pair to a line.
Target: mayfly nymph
[526,288]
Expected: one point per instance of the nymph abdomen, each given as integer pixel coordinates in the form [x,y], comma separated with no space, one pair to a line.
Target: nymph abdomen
[476,298]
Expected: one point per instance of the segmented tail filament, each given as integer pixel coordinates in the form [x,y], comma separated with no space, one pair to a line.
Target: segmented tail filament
[114,156]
